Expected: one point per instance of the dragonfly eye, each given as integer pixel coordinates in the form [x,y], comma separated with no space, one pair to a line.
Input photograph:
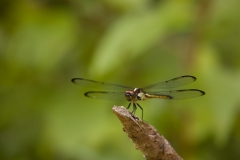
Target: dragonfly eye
[129,95]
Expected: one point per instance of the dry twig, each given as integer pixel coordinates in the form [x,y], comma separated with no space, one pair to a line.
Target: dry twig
[145,137]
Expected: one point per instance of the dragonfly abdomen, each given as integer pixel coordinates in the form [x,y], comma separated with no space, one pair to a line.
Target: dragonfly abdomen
[158,96]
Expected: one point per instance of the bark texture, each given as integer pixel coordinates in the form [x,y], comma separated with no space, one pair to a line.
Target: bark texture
[145,137]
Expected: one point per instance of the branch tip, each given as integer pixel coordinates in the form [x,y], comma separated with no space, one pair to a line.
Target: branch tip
[145,137]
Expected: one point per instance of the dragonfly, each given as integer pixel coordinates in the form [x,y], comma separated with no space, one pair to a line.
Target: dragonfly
[110,91]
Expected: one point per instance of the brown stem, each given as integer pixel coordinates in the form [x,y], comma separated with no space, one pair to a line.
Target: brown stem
[145,137]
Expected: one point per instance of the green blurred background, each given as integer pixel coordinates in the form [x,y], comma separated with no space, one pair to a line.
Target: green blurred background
[46,43]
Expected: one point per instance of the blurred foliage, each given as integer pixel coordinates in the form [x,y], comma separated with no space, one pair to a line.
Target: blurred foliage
[44,44]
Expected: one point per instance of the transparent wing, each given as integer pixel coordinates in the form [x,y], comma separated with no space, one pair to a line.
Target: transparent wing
[115,96]
[172,83]
[177,94]
[99,85]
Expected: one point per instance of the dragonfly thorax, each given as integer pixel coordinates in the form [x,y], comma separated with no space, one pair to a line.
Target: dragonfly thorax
[135,95]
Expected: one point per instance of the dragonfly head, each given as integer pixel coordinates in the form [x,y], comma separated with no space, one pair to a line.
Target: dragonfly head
[130,95]
[134,95]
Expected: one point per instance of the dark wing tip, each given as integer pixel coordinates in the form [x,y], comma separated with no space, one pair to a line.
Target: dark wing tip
[202,92]
[186,76]
[86,94]
[73,80]
[191,77]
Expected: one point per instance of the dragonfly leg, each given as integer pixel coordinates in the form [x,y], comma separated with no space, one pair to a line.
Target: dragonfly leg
[134,108]
[141,109]
[129,105]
